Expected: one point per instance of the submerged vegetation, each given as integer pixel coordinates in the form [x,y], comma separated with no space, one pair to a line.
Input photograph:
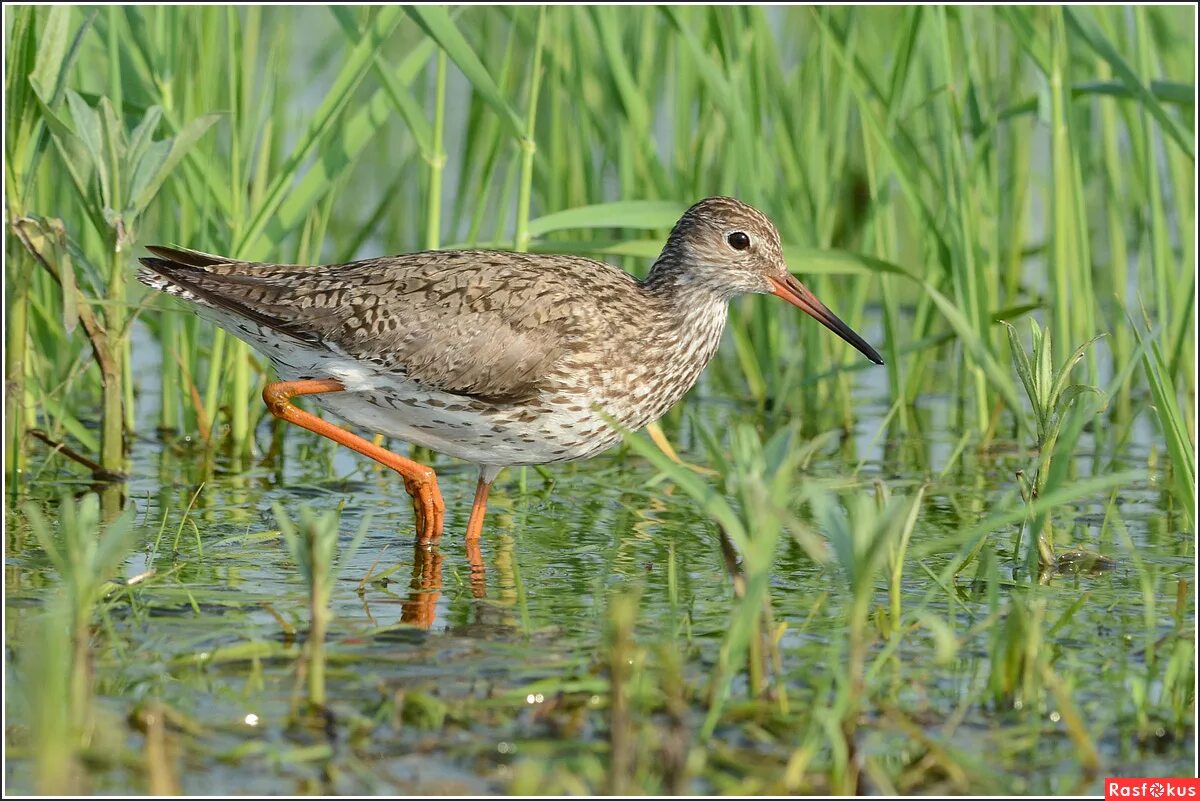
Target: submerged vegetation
[854,579]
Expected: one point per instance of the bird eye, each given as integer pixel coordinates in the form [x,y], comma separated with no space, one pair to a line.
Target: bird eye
[738,240]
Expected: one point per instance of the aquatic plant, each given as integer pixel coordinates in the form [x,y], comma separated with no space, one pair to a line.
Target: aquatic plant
[868,538]
[313,545]
[57,679]
[1053,398]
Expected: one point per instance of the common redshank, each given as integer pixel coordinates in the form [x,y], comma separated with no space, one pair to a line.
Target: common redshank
[496,358]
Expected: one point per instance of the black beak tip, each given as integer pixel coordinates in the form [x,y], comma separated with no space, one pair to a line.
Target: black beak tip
[865,348]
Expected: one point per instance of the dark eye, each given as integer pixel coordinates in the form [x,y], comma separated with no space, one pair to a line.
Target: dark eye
[738,240]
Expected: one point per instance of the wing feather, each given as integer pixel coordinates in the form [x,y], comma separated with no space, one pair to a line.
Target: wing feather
[493,326]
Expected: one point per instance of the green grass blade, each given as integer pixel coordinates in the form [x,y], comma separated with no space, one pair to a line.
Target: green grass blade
[1169,414]
[437,22]
[1087,30]
[978,350]
[359,61]
[644,214]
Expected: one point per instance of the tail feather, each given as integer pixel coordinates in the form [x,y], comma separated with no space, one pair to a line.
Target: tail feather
[186,256]
[157,274]
[189,274]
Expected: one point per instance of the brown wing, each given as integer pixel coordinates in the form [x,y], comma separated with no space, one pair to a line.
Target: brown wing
[483,324]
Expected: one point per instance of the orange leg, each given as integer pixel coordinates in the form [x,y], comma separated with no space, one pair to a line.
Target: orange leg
[474,530]
[420,481]
[478,510]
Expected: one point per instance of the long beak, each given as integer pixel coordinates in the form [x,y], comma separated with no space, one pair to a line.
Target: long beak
[798,295]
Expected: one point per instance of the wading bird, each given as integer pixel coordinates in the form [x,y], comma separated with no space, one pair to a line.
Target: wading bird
[496,358]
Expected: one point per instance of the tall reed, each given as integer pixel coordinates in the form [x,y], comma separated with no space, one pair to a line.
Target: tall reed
[904,153]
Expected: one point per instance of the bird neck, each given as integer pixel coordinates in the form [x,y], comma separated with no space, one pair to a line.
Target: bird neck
[681,292]
[691,312]
[680,323]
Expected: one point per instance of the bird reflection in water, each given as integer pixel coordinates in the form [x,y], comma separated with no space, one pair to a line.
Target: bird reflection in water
[420,609]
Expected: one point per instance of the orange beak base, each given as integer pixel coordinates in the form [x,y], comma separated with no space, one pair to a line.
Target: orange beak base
[798,295]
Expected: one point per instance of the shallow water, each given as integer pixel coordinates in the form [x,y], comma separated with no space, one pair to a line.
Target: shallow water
[516,662]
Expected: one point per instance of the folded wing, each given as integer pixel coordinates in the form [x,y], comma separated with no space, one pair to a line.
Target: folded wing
[493,326]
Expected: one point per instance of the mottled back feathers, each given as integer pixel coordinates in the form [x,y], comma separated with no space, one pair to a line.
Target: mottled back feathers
[476,323]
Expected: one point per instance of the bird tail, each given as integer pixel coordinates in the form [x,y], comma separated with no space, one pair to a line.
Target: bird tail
[170,271]
[231,288]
